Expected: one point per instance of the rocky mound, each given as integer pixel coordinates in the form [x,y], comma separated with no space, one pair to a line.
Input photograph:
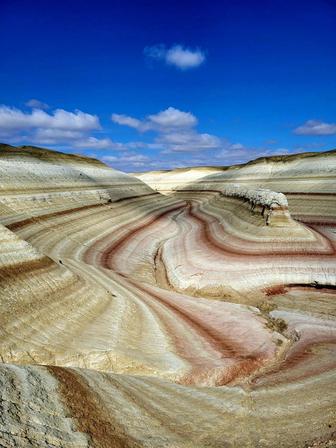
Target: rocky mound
[135,319]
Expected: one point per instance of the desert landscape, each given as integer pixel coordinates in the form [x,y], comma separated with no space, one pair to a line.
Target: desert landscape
[168,224]
[186,308]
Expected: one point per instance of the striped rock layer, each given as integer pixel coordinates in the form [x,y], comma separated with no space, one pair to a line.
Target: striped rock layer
[205,317]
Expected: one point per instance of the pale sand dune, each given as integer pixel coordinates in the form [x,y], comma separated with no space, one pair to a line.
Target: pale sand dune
[201,318]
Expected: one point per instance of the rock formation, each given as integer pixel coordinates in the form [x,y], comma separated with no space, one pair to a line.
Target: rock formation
[202,317]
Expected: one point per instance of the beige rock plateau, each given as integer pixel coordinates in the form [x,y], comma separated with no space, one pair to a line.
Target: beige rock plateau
[183,309]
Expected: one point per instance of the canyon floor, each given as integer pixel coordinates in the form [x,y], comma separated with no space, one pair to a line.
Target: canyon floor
[190,308]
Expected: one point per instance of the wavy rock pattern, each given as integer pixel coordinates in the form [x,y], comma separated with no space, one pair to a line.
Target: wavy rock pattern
[201,318]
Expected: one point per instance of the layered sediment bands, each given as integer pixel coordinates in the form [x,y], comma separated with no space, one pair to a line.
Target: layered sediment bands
[84,408]
[135,319]
[212,240]
[299,173]
[272,206]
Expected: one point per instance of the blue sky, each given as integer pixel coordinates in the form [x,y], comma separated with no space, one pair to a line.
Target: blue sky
[149,85]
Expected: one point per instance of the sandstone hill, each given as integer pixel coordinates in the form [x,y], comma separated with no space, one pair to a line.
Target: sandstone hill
[201,317]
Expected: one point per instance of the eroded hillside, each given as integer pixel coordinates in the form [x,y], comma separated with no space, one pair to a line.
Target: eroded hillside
[205,317]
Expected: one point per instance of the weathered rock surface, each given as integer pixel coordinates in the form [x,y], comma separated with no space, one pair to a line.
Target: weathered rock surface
[200,318]
[304,172]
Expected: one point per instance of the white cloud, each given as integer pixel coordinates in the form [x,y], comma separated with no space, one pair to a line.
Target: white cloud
[175,129]
[57,127]
[174,135]
[163,121]
[172,118]
[184,58]
[237,146]
[53,136]
[130,157]
[12,118]
[36,104]
[316,127]
[232,150]
[181,57]
[99,143]
[128,161]
[126,120]
[60,127]
[188,141]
